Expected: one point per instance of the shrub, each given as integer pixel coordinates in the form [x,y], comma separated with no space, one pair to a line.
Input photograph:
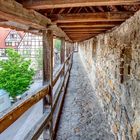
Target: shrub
[15,73]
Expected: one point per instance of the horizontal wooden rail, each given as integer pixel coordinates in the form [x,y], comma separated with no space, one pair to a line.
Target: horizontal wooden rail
[57,105]
[60,104]
[15,112]
[12,114]
[39,127]
[56,77]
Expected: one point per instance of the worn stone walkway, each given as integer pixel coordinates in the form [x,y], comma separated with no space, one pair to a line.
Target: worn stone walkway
[82,117]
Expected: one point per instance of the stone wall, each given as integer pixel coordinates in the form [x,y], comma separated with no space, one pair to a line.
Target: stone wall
[112,61]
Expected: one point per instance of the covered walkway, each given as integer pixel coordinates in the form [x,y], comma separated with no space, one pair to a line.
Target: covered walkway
[103,96]
[82,116]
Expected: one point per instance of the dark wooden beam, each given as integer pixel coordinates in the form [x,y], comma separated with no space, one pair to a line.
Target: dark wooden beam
[3,20]
[89,24]
[91,17]
[48,72]
[77,33]
[43,4]
[86,29]
[14,12]
[79,39]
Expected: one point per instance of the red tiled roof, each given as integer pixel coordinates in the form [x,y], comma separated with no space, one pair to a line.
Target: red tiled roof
[4,33]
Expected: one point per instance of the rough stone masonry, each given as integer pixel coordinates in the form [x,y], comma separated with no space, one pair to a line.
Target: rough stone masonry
[112,61]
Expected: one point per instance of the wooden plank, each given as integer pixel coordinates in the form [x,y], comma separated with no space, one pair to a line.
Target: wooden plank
[48,71]
[50,48]
[46,58]
[43,4]
[18,27]
[22,18]
[79,33]
[82,29]
[56,77]
[13,11]
[91,17]
[44,121]
[89,24]
[14,113]
[82,39]
[3,20]
[37,130]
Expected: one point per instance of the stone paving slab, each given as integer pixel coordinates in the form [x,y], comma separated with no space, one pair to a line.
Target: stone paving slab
[82,116]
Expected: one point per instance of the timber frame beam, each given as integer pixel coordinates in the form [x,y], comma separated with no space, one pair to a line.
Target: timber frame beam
[17,16]
[42,4]
[92,17]
[89,24]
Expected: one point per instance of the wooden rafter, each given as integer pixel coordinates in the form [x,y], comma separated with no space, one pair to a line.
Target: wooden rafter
[78,30]
[13,11]
[10,10]
[92,17]
[43,4]
[88,25]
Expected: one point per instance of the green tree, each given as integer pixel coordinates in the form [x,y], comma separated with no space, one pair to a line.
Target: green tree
[15,74]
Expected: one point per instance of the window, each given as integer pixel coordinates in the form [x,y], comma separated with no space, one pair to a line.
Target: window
[13,44]
[11,36]
[15,36]
[33,43]
[6,43]
[41,43]
[9,43]
[2,52]
[29,43]
[37,43]
[16,43]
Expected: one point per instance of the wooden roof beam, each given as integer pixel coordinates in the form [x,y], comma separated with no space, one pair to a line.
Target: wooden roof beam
[84,32]
[89,24]
[13,11]
[43,4]
[17,15]
[78,35]
[82,29]
[92,17]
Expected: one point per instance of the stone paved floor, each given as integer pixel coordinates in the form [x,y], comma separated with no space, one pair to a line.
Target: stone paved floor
[82,117]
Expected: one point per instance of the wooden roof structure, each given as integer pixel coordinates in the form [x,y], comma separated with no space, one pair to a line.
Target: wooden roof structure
[76,20]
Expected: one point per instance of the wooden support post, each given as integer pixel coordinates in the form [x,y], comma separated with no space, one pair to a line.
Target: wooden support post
[62,50]
[48,71]
[63,54]
[67,49]
[70,48]
[46,59]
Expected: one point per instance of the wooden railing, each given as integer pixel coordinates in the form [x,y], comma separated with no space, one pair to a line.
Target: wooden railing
[11,115]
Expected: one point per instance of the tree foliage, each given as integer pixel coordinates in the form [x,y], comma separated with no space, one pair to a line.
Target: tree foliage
[15,73]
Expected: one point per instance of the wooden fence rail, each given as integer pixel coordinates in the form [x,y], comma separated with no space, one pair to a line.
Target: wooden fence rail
[57,106]
[11,115]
